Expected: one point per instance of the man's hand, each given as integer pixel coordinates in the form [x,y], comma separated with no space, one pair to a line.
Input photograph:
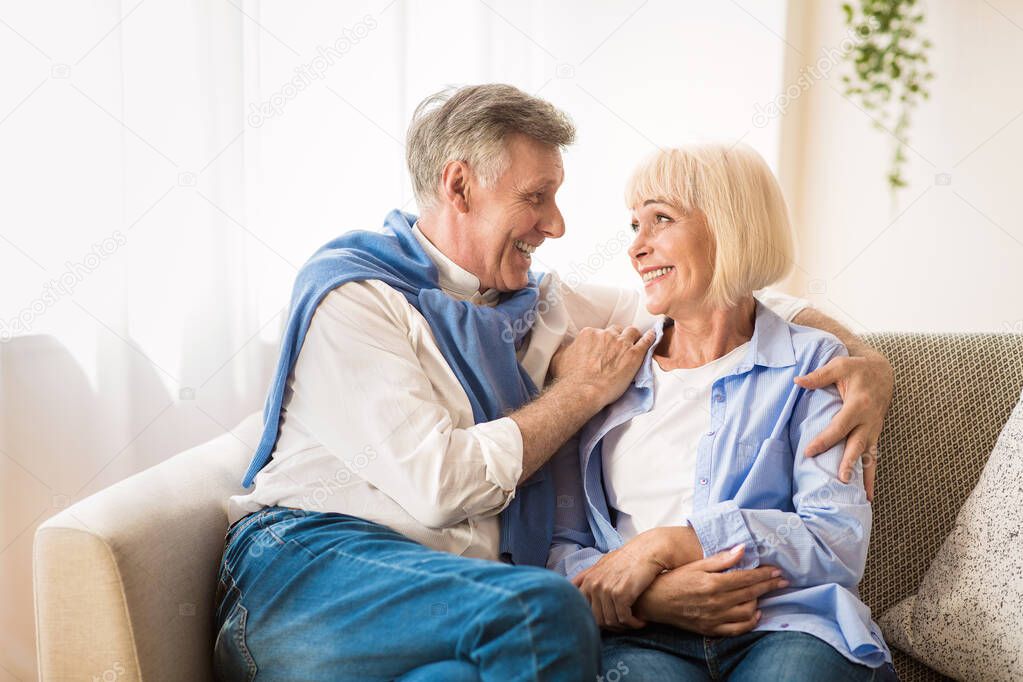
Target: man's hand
[614,583]
[588,373]
[700,598]
[602,362]
[866,383]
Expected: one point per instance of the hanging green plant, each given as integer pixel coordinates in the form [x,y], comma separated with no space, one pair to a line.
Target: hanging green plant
[890,68]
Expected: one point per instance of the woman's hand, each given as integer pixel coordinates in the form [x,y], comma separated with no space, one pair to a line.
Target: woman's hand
[700,598]
[613,584]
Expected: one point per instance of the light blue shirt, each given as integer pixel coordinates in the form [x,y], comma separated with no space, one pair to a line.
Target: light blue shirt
[752,486]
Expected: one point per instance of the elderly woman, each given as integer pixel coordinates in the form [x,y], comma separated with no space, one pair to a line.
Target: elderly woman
[705,453]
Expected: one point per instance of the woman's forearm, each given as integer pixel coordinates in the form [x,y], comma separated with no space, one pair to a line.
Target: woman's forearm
[824,541]
[702,597]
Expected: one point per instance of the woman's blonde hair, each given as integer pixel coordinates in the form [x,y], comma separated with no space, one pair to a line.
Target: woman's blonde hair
[742,202]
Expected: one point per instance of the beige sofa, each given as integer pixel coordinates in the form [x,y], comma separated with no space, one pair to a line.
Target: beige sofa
[124,580]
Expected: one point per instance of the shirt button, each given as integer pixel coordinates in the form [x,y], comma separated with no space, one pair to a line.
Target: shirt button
[711,432]
[784,625]
[720,398]
[703,481]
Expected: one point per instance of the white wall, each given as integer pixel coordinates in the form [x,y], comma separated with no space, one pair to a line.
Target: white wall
[947,257]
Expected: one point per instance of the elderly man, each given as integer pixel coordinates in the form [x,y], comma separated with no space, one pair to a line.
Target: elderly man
[402,507]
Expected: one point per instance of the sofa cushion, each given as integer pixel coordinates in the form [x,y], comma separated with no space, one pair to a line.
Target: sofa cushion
[965,619]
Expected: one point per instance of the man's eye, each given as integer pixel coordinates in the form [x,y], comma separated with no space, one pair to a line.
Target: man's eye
[537,198]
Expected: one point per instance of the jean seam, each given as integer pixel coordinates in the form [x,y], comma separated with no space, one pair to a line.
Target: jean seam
[474,583]
[232,536]
[225,570]
[225,566]
[238,632]
[280,541]
[708,655]
[248,521]
[239,639]
[290,515]
[223,593]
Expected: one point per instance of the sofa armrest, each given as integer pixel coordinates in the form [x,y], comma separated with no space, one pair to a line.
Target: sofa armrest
[125,579]
[82,623]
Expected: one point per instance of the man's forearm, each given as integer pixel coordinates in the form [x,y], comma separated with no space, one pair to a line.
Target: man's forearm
[809,317]
[550,420]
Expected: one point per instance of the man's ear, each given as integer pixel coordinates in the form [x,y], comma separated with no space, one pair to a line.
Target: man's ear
[454,185]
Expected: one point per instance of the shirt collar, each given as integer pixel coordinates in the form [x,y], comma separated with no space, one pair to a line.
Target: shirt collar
[770,346]
[453,279]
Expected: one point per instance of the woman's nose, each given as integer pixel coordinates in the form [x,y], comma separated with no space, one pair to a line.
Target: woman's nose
[639,247]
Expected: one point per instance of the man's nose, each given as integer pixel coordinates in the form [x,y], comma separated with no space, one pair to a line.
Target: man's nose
[553,225]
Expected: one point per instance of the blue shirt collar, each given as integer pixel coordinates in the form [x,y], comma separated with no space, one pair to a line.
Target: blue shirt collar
[770,346]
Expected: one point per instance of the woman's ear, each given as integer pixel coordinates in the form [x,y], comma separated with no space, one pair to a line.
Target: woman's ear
[454,183]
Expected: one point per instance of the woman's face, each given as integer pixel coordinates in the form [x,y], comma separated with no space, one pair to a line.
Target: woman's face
[673,254]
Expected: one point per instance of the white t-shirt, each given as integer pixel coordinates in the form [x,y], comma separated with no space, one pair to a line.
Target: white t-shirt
[649,462]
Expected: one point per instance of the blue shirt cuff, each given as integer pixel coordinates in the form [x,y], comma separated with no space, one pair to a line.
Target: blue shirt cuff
[721,527]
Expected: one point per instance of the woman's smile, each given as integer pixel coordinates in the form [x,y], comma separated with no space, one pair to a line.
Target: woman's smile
[652,275]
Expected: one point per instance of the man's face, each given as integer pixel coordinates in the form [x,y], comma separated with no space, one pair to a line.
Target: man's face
[515,215]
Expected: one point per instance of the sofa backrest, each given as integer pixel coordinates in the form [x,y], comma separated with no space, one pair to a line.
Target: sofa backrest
[953,394]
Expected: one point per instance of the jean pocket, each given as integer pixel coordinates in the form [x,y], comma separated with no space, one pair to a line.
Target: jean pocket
[231,657]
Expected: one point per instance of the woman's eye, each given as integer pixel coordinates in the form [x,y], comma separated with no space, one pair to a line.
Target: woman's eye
[660,216]
[635,227]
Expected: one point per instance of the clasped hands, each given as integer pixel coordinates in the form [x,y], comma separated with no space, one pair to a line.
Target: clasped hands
[661,576]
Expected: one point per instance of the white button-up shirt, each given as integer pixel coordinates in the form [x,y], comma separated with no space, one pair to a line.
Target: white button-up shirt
[375,424]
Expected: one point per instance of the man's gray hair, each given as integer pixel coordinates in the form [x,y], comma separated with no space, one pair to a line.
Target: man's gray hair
[470,124]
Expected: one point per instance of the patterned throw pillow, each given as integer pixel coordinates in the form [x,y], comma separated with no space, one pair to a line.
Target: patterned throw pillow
[966,619]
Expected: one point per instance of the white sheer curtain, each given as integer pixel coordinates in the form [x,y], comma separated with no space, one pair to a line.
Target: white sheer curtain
[167,166]
[129,279]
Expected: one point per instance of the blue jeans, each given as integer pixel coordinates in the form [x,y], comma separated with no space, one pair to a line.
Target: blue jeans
[319,596]
[660,652]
